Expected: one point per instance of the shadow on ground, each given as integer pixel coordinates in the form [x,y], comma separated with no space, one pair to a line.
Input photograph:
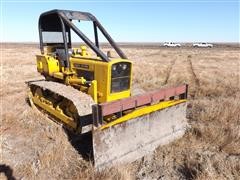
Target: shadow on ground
[7,171]
[82,143]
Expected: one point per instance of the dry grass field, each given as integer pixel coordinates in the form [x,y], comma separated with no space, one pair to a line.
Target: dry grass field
[34,147]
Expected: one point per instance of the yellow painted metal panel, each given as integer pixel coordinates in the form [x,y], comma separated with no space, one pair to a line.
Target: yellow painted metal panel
[102,74]
[58,75]
[47,64]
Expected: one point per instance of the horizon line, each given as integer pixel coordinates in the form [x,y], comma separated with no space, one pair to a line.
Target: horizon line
[137,42]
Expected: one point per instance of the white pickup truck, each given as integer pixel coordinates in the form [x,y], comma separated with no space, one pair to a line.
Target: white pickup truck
[171,44]
[207,45]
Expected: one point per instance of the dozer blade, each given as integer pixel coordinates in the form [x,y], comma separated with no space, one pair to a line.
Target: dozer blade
[146,121]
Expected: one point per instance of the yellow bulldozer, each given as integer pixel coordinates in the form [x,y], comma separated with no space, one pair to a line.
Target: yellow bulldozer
[91,91]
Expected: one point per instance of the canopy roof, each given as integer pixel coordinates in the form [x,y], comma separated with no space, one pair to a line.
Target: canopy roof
[61,21]
[74,15]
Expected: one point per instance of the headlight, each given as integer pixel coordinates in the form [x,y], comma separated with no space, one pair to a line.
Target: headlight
[124,66]
[114,67]
[121,69]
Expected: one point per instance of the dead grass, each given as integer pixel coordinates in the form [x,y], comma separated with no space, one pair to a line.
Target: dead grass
[36,148]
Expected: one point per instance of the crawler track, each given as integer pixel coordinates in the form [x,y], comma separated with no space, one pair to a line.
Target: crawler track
[81,101]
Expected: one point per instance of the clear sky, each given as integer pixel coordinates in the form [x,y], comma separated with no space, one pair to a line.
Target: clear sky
[135,21]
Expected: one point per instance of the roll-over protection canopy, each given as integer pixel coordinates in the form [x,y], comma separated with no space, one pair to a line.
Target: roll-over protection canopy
[60,22]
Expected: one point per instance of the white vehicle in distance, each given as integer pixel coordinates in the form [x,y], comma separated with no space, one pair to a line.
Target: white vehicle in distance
[207,45]
[171,44]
